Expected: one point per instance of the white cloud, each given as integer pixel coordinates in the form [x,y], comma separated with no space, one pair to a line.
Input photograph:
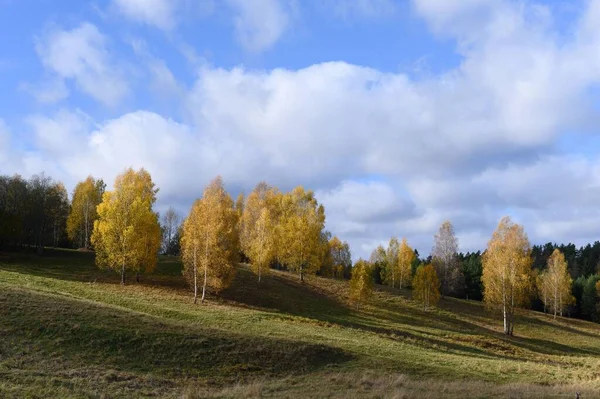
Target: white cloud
[259,24]
[470,145]
[48,92]
[159,13]
[81,54]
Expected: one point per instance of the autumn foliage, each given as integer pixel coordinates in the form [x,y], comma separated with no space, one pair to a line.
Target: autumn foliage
[426,286]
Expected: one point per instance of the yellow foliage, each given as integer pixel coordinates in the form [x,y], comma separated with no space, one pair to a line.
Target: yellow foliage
[126,234]
[361,283]
[406,256]
[506,275]
[87,195]
[554,284]
[426,286]
[209,243]
[301,222]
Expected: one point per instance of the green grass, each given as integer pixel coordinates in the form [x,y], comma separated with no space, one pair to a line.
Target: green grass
[68,329]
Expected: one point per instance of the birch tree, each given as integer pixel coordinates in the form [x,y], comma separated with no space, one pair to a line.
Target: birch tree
[445,258]
[301,223]
[507,271]
[87,195]
[406,256]
[171,222]
[426,286]
[554,284]
[262,244]
[361,283]
[126,235]
[391,265]
[210,241]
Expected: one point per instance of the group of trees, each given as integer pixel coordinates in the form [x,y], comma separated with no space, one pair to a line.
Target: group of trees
[33,212]
[286,230]
[269,228]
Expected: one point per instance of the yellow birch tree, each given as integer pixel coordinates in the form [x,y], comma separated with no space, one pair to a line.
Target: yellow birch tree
[262,244]
[554,284]
[507,271]
[127,234]
[406,256]
[299,232]
[87,195]
[210,242]
[426,286]
[361,283]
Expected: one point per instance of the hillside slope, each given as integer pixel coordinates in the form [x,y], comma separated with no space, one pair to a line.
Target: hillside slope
[70,330]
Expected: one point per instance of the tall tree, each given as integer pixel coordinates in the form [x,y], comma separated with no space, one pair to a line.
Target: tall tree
[87,195]
[250,210]
[361,283]
[126,235]
[341,257]
[589,298]
[554,284]
[302,221]
[445,258]
[426,286]
[210,241]
[171,223]
[391,270]
[378,262]
[406,257]
[507,271]
[262,244]
[58,212]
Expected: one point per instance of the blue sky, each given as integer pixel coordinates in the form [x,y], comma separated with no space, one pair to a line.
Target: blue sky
[400,114]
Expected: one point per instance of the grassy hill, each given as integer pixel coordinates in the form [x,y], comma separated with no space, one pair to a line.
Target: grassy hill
[70,330]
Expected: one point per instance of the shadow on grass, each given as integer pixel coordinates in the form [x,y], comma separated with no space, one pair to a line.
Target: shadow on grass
[38,327]
[73,265]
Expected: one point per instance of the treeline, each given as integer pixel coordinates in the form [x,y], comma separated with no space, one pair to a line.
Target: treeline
[286,230]
[33,212]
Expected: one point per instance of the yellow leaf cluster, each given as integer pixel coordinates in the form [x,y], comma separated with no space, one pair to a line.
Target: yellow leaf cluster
[554,284]
[507,271]
[127,234]
[361,283]
[209,243]
[426,286]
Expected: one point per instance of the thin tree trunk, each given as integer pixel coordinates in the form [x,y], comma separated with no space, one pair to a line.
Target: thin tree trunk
[195,277]
[259,274]
[123,273]
[205,269]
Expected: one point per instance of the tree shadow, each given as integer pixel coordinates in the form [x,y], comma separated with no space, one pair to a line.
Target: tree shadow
[78,266]
[84,334]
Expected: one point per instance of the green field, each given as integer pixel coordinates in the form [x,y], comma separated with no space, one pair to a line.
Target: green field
[70,330]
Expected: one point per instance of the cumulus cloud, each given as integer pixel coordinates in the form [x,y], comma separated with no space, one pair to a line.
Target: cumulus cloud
[470,144]
[81,55]
[259,24]
[159,13]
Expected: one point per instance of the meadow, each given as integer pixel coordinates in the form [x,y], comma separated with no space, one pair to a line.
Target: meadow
[68,329]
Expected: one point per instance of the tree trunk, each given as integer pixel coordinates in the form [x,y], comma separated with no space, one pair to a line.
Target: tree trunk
[205,269]
[137,277]
[195,278]
[506,322]
[123,273]
[259,274]
[301,274]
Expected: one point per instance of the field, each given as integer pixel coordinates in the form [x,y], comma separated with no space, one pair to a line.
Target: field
[68,329]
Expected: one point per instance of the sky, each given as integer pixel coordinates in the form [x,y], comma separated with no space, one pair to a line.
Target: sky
[398,114]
